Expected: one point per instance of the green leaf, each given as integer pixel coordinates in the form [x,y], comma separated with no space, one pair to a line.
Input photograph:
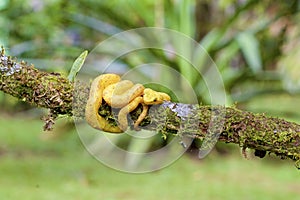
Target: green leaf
[77,65]
[250,49]
[211,39]
[186,25]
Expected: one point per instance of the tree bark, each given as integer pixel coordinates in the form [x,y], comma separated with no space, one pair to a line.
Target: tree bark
[230,125]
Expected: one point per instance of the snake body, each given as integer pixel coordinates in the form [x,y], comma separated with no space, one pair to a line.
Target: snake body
[119,94]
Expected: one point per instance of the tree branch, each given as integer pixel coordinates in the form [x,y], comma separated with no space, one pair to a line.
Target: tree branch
[230,125]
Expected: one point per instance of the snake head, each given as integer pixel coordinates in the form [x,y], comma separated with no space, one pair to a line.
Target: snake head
[152,97]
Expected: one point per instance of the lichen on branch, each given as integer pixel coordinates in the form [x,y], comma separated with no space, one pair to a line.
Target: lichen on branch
[48,90]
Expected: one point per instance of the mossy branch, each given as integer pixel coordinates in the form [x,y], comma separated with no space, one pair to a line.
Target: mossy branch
[230,125]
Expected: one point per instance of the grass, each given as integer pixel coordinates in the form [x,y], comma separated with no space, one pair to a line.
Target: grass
[35,168]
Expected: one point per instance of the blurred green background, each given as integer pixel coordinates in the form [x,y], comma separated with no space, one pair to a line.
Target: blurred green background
[255,45]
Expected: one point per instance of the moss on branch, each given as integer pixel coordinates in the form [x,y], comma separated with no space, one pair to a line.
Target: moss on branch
[230,125]
[48,90]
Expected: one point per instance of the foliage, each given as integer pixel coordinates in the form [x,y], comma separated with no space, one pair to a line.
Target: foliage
[245,38]
[253,43]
